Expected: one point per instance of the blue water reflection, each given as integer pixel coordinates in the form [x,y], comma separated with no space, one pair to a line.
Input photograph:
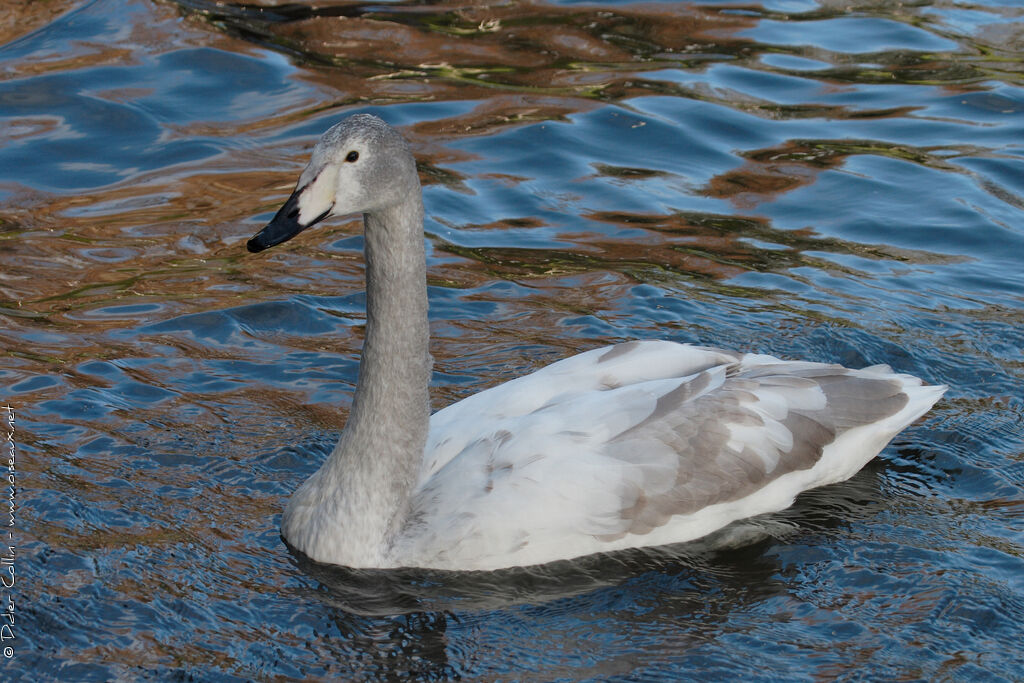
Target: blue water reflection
[89,127]
[850,35]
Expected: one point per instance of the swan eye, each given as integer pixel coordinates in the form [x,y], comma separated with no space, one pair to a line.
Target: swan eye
[352,156]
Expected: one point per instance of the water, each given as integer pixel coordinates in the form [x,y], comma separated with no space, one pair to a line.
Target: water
[837,182]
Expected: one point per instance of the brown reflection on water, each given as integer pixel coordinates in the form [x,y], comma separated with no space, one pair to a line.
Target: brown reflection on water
[19,17]
[769,173]
[410,50]
[163,31]
[501,110]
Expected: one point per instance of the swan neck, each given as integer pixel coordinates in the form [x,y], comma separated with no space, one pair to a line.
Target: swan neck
[378,457]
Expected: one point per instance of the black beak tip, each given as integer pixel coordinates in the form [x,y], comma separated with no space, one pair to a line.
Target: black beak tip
[255,245]
[284,226]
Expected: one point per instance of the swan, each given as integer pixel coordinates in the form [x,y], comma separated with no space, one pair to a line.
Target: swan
[638,444]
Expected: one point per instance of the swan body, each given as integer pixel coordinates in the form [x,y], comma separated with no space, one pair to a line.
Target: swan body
[638,444]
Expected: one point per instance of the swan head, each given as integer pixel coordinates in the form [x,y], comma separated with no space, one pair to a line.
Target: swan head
[361,165]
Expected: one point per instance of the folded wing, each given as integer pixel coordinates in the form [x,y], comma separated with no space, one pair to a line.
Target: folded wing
[644,443]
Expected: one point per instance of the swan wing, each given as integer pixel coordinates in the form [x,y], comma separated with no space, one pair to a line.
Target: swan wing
[589,373]
[643,443]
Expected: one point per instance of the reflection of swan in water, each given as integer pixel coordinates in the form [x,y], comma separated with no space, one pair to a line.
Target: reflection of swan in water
[643,443]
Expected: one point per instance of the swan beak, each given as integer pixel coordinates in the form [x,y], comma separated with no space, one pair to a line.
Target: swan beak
[284,226]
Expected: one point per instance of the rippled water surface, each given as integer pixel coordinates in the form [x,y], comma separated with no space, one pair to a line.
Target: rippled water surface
[835,181]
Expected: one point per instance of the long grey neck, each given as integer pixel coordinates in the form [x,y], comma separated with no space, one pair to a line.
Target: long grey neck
[378,456]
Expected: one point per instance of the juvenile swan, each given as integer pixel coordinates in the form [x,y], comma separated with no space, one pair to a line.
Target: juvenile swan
[638,444]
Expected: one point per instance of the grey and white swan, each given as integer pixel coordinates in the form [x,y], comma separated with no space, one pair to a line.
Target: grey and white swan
[642,443]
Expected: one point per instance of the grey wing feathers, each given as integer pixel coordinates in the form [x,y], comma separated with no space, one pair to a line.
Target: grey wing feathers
[697,449]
